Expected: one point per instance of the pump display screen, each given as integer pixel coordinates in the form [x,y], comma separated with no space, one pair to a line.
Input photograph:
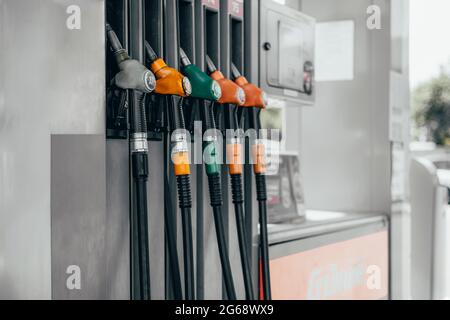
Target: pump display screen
[290,58]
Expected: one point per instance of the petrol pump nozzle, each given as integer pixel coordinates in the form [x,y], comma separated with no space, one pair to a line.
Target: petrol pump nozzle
[169,81]
[255,97]
[203,87]
[137,78]
[133,75]
[231,92]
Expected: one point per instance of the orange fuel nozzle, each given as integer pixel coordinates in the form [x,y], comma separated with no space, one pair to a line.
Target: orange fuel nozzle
[231,92]
[255,97]
[168,80]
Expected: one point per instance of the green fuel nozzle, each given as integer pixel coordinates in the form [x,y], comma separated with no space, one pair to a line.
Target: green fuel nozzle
[203,87]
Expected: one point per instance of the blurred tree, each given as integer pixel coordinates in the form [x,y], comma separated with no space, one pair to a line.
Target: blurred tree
[431,108]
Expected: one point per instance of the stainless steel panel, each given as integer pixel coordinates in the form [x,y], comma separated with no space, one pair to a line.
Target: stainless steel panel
[291,36]
[51,81]
[314,226]
[78,216]
[117,219]
[156,219]
[345,147]
[322,239]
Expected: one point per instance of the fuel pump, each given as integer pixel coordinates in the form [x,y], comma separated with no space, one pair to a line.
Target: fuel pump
[139,81]
[255,102]
[172,83]
[233,96]
[208,91]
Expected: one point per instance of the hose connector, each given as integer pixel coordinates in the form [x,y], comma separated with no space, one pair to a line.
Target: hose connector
[180,154]
[234,158]
[210,153]
[259,154]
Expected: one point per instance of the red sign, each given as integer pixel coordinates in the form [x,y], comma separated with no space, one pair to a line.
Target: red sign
[356,269]
[236,8]
[215,4]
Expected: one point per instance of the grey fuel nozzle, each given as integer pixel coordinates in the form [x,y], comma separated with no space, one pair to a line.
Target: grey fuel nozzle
[133,75]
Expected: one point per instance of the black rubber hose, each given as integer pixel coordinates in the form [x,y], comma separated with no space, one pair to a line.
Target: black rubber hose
[185,201]
[189,279]
[223,252]
[238,201]
[142,235]
[138,114]
[140,176]
[215,191]
[170,226]
[261,195]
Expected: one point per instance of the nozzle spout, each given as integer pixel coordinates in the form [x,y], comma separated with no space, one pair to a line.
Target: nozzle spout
[234,71]
[210,64]
[113,39]
[184,58]
[151,54]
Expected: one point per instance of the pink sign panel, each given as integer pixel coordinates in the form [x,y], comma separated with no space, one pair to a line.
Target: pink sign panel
[236,8]
[356,269]
[215,4]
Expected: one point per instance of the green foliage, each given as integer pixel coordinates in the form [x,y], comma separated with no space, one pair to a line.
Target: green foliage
[431,108]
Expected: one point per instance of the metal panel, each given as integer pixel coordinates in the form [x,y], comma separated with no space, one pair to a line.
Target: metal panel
[346,159]
[78,217]
[52,81]
[282,65]
[427,221]
[318,240]
[117,219]
[156,219]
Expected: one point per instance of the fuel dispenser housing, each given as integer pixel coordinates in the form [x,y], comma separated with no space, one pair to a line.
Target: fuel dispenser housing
[85,151]
[287,34]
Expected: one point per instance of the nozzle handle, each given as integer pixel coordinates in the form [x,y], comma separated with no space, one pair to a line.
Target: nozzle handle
[210,64]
